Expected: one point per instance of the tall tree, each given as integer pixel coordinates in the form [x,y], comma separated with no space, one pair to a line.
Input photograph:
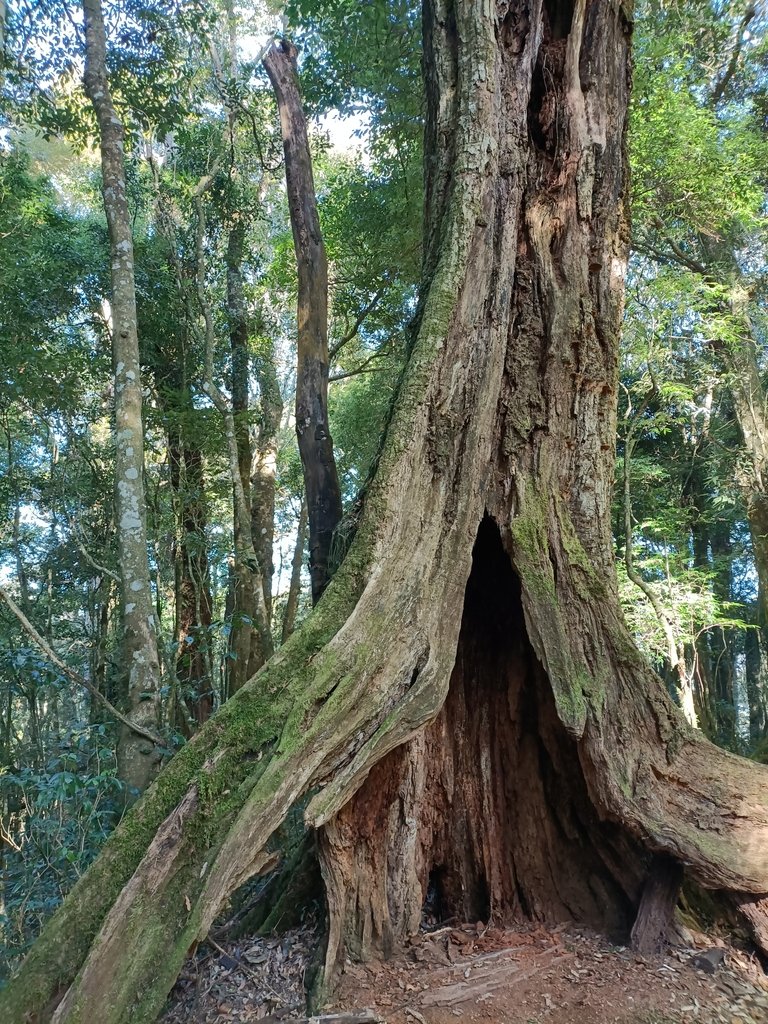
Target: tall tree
[699,151]
[468,664]
[247,656]
[321,481]
[138,759]
[166,353]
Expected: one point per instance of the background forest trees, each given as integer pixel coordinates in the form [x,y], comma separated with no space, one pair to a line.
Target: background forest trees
[216,289]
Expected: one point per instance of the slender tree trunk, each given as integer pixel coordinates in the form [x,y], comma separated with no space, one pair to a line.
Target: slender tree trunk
[468,664]
[757,683]
[265,463]
[245,601]
[294,589]
[246,571]
[246,655]
[103,599]
[321,482]
[136,758]
[21,570]
[721,647]
[711,554]
[193,591]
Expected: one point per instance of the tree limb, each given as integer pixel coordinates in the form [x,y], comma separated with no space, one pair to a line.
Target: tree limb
[70,673]
[723,82]
[352,332]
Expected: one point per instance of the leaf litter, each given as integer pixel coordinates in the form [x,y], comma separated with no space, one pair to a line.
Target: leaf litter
[474,972]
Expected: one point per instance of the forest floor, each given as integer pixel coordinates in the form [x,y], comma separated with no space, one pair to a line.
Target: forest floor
[473,973]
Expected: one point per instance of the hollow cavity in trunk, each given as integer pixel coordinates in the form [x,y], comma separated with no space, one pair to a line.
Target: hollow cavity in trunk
[485,813]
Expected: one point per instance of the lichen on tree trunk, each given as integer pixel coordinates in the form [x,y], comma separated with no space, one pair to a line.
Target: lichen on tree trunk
[137,757]
[493,495]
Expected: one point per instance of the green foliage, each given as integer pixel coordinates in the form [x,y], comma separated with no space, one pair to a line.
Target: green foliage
[359,409]
[147,49]
[694,338]
[46,261]
[364,58]
[55,819]
[689,592]
[698,163]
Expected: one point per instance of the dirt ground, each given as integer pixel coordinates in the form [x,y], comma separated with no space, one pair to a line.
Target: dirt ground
[475,973]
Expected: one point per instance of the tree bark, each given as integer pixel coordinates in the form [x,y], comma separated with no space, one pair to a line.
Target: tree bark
[465,704]
[265,462]
[294,589]
[246,655]
[655,914]
[193,591]
[137,758]
[321,482]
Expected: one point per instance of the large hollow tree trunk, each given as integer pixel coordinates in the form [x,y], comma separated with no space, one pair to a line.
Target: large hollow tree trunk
[468,664]
[137,759]
[321,481]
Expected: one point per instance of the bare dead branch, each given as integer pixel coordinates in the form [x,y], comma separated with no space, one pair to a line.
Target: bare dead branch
[70,673]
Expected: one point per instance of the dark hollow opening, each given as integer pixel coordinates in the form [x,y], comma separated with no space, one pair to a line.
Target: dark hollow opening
[516,835]
[433,914]
[485,815]
[560,17]
[536,115]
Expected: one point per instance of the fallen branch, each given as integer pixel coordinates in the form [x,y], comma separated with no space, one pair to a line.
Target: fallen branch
[70,672]
[360,1017]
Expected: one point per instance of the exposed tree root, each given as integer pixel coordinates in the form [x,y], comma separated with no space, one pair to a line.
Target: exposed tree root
[657,906]
[288,895]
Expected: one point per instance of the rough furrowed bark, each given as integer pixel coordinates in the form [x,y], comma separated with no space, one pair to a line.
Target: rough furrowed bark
[519,758]
[643,768]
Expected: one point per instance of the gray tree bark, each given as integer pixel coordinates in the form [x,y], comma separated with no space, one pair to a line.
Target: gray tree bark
[137,758]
